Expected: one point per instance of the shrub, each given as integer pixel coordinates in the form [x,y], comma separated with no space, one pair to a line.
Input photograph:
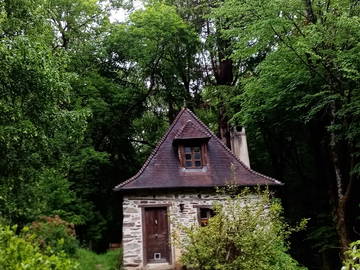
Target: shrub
[352,257]
[17,253]
[246,233]
[56,234]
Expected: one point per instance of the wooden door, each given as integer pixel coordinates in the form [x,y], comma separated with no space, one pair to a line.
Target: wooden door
[156,235]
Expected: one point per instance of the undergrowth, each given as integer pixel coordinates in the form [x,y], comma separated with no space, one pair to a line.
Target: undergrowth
[88,260]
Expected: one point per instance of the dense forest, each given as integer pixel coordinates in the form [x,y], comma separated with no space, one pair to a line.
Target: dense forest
[84,100]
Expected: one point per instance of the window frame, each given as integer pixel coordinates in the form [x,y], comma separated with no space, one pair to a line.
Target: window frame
[202,159]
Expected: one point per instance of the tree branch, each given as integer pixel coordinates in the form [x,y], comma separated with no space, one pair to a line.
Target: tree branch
[142,142]
[296,53]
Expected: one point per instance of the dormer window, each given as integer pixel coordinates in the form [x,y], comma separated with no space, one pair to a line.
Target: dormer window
[191,144]
[192,156]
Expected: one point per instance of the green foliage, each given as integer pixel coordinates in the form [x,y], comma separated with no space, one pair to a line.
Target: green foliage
[148,129]
[302,97]
[47,56]
[303,56]
[111,260]
[38,128]
[83,102]
[352,261]
[87,173]
[54,235]
[247,230]
[222,98]
[323,236]
[18,253]
[106,151]
[76,21]
[159,48]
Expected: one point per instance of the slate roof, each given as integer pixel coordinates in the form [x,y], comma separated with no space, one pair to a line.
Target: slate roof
[162,169]
[191,131]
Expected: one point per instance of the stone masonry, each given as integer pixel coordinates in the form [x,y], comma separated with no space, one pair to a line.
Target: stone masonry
[132,223]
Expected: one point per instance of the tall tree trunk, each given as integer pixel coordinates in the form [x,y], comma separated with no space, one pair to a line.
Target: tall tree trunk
[224,129]
[310,16]
[341,225]
[224,76]
[171,112]
[342,198]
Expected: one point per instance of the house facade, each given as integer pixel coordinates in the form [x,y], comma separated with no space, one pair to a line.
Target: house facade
[176,185]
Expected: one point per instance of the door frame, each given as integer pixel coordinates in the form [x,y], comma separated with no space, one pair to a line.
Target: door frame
[144,244]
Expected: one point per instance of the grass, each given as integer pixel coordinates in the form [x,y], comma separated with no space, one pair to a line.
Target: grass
[89,260]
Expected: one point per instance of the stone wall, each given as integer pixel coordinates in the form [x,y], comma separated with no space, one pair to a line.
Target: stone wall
[132,223]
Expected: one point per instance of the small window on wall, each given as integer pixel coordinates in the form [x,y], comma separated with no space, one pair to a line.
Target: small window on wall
[204,215]
[192,156]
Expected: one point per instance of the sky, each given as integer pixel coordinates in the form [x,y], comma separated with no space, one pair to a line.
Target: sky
[120,15]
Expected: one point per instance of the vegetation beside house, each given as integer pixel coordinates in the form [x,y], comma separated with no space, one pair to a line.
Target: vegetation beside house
[17,252]
[88,260]
[352,259]
[50,243]
[244,233]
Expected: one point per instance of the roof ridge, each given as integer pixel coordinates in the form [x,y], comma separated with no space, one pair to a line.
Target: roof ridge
[230,152]
[153,153]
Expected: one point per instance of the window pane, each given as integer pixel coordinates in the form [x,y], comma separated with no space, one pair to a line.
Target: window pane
[198,163]
[196,149]
[187,149]
[188,156]
[197,156]
[203,212]
[188,164]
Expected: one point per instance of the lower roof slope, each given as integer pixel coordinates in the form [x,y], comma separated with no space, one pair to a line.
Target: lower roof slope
[162,169]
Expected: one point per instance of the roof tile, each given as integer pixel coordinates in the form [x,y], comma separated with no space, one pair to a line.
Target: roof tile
[191,131]
[162,169]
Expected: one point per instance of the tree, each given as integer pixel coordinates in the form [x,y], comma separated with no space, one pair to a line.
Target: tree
[38,128]
[218,73]
[309,78]
[160,47]
[77,21]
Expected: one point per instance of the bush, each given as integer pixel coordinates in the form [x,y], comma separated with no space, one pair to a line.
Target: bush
[88,260]
[246,233]
[55,235]
[352,257]
[17,253]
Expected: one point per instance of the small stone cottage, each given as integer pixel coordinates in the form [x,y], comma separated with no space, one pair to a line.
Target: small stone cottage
[178,182]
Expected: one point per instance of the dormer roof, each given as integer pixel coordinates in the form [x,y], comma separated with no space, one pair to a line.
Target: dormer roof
[190,131]
[163,169]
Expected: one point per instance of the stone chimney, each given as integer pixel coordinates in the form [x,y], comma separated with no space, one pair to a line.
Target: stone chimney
[239,144]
